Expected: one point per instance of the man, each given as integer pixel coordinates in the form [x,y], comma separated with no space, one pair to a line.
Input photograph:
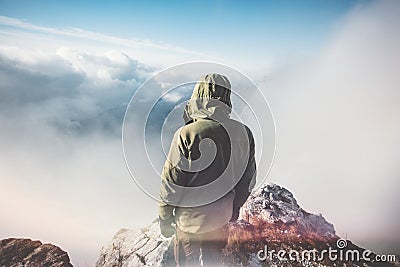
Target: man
[209,174]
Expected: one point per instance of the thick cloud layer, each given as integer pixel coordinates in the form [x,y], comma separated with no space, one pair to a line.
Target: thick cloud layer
[338,127]
[75,92]
[61,115]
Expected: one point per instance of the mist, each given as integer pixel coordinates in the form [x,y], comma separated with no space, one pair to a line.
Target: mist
[338,127]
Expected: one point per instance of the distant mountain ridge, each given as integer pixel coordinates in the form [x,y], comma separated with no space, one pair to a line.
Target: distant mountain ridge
[270,219]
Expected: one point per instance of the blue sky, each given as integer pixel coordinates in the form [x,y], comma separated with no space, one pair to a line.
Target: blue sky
[273,29]
[329,70]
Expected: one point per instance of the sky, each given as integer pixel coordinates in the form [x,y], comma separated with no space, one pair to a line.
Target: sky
[216,29]
[68,70]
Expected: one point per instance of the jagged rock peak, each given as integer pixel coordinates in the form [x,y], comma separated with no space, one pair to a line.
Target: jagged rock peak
[17,252]
[274,192]
[273,203]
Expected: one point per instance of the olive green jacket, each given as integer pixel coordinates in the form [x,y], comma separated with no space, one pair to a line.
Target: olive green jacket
[211,167]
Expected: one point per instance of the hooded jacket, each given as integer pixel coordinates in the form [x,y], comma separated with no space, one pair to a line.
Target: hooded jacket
[211,158]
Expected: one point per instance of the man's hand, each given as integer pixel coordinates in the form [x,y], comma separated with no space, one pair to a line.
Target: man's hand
[167,230]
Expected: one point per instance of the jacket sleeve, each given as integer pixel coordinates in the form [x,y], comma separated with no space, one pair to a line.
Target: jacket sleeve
[248,180]
[171,175]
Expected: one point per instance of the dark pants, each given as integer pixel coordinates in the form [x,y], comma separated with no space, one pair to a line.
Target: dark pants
[187,248]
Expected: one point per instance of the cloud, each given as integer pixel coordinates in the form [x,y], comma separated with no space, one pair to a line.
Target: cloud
[14,32]
[338,127]
[84,34]
[113,66]
[173,97]
[73,90]
[61,113]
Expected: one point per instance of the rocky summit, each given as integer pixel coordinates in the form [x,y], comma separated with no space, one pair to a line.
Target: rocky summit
[274,204]
[271,220]
[17,252]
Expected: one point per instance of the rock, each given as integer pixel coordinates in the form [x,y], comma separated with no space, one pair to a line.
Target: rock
[271,216]
[142,247]
[273,203]
[17,252]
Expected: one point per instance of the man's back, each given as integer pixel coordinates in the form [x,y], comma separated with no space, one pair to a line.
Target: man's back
[232,141]
[209,172]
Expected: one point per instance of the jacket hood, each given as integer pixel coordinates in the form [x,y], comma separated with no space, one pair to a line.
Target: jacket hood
[211,98]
